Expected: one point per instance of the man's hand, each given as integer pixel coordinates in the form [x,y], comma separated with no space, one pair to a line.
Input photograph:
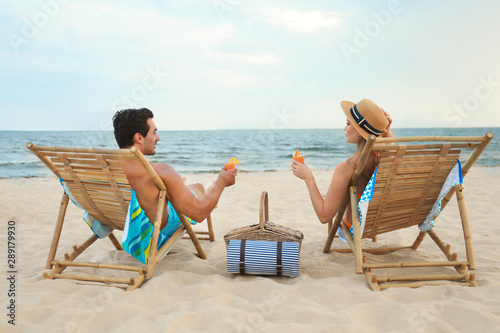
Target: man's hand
[227,178]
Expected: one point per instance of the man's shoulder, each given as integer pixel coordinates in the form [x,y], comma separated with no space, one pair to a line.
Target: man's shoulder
[163,168]
[166,172]
[135,169]
[138,173]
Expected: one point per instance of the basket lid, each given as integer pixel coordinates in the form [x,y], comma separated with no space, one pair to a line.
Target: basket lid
[264,226]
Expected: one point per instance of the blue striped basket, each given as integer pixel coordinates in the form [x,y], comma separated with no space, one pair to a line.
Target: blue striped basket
[263,257]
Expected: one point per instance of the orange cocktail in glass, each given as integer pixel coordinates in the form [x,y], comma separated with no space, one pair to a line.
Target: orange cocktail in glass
[231,164]
[298,158]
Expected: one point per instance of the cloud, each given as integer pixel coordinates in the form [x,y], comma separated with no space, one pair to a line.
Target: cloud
[90,53]
[232,79]
[302,21]
[254,58]
[135,28]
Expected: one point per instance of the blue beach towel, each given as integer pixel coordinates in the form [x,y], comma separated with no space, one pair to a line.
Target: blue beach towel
[454,178]
[99,230]
[363,203]
[138,231]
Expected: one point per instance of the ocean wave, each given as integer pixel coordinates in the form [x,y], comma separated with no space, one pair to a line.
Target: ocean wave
[9,163]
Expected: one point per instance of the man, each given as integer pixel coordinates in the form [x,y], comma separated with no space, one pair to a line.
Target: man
[136,128]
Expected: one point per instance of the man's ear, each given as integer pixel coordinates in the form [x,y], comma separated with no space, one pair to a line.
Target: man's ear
[138,138]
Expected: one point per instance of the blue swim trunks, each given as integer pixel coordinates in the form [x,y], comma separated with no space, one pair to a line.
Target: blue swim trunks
[173,221]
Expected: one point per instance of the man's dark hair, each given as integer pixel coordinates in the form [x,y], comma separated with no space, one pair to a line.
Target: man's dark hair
[128,122]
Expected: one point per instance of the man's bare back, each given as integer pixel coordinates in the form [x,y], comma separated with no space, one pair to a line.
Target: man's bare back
[147,191]
[197,207]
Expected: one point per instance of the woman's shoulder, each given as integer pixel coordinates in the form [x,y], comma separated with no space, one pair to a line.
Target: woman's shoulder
[343,173]
[347,166]
[350,162]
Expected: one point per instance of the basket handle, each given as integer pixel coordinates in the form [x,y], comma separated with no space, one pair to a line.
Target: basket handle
[263,209]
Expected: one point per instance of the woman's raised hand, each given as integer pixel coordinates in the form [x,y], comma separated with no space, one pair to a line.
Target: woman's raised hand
[301,170]
[387,131]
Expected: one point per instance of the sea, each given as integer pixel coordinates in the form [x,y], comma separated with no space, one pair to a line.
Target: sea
[207,151]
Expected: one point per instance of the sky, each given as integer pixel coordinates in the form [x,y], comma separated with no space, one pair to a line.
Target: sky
[247,64]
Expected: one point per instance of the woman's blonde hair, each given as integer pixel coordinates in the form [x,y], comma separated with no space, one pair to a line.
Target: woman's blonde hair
[371,163]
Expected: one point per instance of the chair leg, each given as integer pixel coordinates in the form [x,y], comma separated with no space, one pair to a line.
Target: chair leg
[419,240]
[77,250]
[57,231]
[115,242]
[371,279]
[331,234]
[446,248]
[336,223]
[211,234]
[137,282]
[194,238]
[169,243]
[205,235]
[466,227]
[358,255]
[156,233]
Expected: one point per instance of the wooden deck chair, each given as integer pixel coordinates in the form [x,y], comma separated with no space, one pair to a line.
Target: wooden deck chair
[98,183]
[409,178]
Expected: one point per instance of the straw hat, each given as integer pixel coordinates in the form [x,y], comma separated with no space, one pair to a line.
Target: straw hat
[366,117]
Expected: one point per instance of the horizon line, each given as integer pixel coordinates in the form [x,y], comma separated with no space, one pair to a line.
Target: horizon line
[240,129]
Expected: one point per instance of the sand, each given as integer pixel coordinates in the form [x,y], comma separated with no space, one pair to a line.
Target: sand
[188,294]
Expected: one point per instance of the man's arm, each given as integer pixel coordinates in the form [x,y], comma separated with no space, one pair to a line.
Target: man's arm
[185,201]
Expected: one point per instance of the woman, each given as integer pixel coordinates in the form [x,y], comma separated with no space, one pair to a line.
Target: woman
[363,119]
